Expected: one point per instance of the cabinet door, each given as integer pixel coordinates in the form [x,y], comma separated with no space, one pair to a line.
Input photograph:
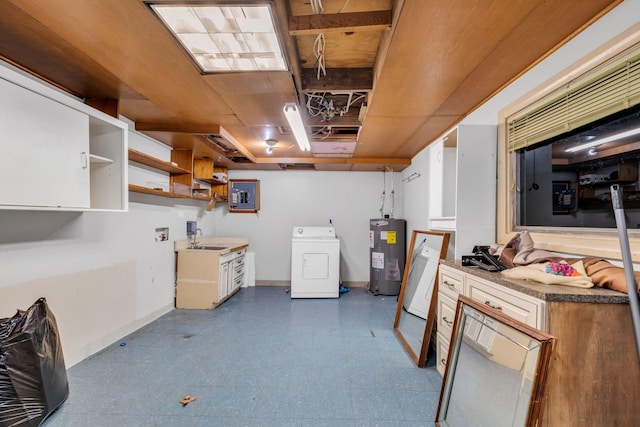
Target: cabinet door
[45,147]
[223,283]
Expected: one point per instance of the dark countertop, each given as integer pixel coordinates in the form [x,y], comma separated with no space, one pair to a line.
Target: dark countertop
[544,292]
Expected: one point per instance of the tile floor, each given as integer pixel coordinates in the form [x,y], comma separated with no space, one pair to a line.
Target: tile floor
[260,359]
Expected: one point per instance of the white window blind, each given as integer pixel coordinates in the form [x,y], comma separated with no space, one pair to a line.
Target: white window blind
[607,89]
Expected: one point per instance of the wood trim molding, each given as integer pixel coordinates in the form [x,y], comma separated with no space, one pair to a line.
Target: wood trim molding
[338,79]
[340,22]
[331,160]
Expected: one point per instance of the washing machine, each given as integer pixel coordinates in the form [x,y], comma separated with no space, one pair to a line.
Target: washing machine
[315,262]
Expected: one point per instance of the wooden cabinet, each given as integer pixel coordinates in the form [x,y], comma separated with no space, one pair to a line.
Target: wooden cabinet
[462,186]
[152,162]
[204,170]
[594,378]
[58,153]
[182,183]
[183,170]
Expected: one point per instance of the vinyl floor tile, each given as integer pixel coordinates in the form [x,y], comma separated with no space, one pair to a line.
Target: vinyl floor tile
[260,359]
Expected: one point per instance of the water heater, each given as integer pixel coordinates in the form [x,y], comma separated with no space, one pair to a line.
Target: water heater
[387,254]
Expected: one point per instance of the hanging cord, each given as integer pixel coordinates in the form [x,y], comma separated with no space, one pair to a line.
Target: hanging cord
[393,193]
[315,104]
[316,6]
[384,186]
[343,5]
[318,49]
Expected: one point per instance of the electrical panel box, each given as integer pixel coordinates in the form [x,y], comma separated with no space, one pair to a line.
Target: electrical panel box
[244,195]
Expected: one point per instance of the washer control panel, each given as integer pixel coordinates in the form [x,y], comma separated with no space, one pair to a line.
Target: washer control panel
[309,232]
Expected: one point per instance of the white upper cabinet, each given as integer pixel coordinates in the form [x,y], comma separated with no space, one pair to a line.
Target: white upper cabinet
[58,153]
[462,186]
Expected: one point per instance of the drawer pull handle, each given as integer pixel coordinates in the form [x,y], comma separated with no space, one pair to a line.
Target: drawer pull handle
[443,361]
[497,307]
[450,285]
[447,321]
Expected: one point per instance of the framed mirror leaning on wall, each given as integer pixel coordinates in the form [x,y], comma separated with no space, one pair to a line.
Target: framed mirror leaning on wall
[496,372]
[416,312]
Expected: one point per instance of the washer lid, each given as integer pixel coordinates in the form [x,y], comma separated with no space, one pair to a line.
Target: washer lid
[307,232]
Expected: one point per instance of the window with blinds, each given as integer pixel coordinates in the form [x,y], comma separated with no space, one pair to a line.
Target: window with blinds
[606,90]
[569,147]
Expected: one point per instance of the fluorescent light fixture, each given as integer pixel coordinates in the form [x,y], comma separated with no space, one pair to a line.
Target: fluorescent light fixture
[225,38]
[595,142]
[294,118]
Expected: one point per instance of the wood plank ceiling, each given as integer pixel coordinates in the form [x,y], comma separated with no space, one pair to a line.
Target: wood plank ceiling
[398,73]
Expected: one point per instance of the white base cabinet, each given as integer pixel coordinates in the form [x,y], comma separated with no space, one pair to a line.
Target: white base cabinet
[58,153]
[515,304]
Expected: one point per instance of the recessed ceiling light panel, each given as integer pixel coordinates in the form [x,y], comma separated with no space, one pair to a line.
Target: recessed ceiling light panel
[225,38]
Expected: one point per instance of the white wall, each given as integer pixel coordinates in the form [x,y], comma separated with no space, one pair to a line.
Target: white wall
[415,188]
[295,198]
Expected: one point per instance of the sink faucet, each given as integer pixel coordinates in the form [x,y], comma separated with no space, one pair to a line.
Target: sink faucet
[194,243]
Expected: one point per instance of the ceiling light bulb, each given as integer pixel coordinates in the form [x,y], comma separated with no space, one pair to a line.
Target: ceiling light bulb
[269,150]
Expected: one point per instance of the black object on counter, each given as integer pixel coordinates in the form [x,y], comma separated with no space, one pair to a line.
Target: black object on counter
[33,377]
[481,258]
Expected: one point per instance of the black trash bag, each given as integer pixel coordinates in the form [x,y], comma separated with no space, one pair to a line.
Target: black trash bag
[33,377]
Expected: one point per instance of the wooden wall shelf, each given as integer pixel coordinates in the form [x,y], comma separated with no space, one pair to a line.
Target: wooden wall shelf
[145,159]
[154,192]
[182,173]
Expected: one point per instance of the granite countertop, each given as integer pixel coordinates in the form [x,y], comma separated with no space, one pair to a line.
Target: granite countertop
[561,293]
[230,244]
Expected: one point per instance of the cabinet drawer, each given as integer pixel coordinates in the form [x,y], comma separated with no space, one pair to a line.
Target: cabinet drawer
[238,262]
[239,253]
[442,352]
[237,283]
[526,311]
[238,270]
[451,282]
[446,314]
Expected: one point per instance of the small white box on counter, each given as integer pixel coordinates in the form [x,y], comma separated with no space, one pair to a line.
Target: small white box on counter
[219,176]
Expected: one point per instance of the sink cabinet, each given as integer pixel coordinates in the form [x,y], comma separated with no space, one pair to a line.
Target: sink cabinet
[207,278]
